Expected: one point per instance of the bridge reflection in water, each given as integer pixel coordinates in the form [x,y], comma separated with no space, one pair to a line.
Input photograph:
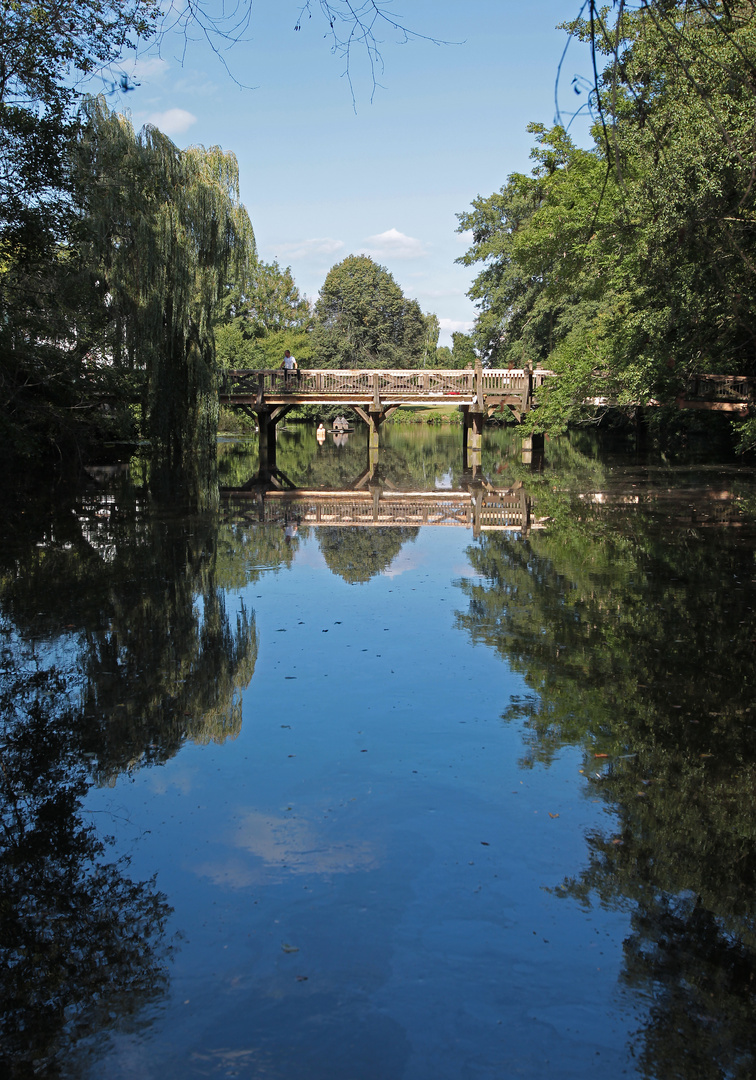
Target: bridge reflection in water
[479,507]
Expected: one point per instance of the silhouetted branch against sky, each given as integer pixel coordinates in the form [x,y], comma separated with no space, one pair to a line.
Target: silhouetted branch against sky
[352,27]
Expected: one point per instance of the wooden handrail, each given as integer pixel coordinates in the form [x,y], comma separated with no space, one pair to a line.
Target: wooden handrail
[373,386]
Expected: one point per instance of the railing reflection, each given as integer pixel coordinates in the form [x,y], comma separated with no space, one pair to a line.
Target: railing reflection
[480,507]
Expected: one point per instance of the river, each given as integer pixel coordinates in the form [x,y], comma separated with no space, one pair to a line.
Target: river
[403,801]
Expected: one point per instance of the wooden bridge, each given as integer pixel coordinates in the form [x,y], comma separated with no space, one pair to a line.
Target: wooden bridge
[384,389]
[374,395]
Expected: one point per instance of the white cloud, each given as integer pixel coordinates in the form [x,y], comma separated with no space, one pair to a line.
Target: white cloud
[393,244]
[303,249]
[451,326]
[465,237]
[172,121]
[149,67]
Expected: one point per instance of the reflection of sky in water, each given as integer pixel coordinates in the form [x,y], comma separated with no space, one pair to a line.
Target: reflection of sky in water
[286,844]
[359,877]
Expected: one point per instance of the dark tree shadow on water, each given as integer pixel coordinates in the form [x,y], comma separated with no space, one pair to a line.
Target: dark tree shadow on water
[116,648]
[82,945]
[634,632]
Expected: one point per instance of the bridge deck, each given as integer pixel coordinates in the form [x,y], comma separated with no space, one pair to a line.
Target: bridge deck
[480,389]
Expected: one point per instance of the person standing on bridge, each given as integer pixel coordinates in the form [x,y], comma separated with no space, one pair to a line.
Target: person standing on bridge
[289,365]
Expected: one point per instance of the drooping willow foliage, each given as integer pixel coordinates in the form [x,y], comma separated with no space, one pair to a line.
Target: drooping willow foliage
[164,233]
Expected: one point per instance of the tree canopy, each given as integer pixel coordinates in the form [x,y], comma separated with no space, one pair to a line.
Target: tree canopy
[630,266]
[112,331]
[260,317]
[47,47]
[364,319]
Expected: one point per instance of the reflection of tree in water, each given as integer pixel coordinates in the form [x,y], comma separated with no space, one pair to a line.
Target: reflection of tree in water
[119,649]
[134,584]
[638,646]
[357,554]
[246,552]
[81,944]
[412,457]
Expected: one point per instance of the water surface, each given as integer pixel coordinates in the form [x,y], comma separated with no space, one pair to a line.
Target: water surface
[399,802]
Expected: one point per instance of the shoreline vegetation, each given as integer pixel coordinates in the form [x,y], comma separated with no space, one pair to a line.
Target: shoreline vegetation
[130,279]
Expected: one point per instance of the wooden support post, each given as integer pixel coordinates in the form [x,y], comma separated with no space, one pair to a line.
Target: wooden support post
[477,502]
[527,390]
[374,429]
[465,409]
[374,418]
[374,440]
[265,432]
[267,441]
[532,450]
[476,431]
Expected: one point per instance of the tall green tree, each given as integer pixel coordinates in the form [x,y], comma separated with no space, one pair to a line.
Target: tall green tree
[262,316]
[165,231]
[629,267]
[46,48]
[364,320]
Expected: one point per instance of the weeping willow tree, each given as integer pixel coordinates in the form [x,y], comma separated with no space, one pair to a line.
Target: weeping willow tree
[165,232]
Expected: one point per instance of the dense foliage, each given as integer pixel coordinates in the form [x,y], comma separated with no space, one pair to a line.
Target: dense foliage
[47,47]
[261,317]
[364,319]
[630,266]
[110,332]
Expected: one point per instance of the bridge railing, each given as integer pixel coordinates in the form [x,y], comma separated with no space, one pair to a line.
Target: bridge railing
[722,387]
[495,510]
[362,384]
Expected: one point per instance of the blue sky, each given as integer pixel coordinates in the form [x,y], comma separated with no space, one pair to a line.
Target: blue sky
[324,176]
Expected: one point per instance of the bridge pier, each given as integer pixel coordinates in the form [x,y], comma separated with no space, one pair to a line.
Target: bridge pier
[472,439]
[266,441]
[533,450]
[374,416]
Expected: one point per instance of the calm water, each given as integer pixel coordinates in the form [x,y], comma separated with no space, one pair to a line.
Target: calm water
[411,802]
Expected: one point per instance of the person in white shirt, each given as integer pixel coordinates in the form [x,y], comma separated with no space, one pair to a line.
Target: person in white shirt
[290,368]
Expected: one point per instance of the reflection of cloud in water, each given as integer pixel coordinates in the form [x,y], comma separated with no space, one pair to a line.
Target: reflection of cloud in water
[287,844]
[310,555]
[407,559]
[465,570]
[161,783]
